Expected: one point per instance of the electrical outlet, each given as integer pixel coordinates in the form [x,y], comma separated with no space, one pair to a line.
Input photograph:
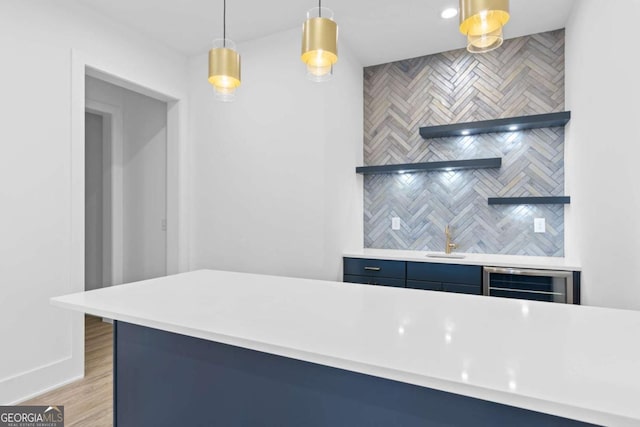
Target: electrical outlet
[395,223]
[539,225]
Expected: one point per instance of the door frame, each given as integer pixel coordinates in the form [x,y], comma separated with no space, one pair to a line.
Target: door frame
[112,188]
[176,184]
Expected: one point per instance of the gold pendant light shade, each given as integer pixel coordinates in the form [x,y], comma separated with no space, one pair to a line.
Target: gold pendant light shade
[319,44]
[224,69]
[482,21]
[224,64]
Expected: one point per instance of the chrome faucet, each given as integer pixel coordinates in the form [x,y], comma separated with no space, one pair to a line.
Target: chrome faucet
[448,245]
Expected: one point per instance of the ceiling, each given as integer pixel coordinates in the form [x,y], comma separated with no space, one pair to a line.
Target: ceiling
[377,31]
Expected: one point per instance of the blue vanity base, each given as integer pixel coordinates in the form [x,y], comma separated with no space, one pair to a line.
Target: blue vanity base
[167,379]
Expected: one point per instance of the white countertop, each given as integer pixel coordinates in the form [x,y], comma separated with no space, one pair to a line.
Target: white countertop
[490,260]
[573,361]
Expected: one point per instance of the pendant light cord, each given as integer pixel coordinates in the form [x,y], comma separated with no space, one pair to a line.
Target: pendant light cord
[319,8]
[224,23]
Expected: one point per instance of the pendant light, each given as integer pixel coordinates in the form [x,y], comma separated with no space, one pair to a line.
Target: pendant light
[224,64]
[482,21]
[319,43]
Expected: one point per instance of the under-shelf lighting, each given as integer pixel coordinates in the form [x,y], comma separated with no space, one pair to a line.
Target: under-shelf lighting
[409,168]
[536,121]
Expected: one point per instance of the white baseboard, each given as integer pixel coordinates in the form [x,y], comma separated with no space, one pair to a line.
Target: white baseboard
[46,390]
[30,383]
[35,382]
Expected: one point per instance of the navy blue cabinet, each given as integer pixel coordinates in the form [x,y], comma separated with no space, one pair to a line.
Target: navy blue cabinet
[380,281]
[375,268]
[375,272]
[458,278]
[465,279]
[426,285]
[167,379]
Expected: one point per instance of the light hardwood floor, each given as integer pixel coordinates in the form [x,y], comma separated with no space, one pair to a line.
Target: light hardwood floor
[88,402]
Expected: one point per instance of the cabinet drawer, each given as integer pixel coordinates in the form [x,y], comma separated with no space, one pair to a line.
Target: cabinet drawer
[381,281]
[428,286]
[446,273]
[374,268]
[462,289]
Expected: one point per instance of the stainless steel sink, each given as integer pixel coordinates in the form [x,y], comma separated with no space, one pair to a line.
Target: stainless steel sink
[443,255]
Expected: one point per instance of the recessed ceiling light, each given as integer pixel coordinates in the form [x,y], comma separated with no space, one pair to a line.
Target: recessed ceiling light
[513,128]
[449,13]
[465,132]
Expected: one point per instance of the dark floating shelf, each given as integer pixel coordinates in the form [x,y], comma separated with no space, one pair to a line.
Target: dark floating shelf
[559,200]
[511,124]
[489,163]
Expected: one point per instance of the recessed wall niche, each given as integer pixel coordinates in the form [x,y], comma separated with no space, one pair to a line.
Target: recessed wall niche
[524,77]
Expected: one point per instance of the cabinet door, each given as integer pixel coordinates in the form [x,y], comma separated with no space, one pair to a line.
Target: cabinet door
[445,273]
[428,286]
[461,288]
[374,267]
[380,281]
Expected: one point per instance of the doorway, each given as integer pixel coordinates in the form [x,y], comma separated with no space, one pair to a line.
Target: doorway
[96,231]
[125,185]
[125,210]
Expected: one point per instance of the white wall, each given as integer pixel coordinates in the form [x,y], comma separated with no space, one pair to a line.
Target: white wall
[144,178]
[42,345]
[34,219]
[602,150]
[274,187]
[145,187]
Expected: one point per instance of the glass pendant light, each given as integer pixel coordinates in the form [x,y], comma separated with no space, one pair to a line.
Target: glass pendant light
[482,21]
[319,43]
[224,64]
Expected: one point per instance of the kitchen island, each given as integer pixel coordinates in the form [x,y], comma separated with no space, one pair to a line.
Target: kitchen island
[234,349]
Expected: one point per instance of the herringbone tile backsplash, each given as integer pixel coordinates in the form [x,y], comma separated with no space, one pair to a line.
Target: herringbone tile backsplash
[525,76]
